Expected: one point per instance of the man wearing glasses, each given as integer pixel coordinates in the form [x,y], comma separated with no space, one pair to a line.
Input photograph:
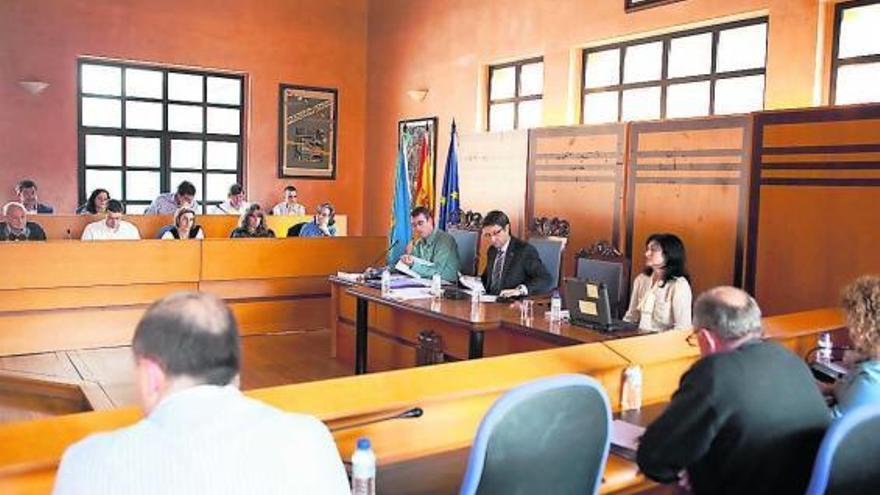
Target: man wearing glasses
[743,414]
[513,267]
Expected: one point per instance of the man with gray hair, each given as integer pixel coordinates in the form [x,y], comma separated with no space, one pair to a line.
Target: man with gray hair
[746,418]
[200,434]
[15,226]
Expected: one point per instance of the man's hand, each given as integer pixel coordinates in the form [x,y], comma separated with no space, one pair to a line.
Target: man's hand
[510,293]
[407,259]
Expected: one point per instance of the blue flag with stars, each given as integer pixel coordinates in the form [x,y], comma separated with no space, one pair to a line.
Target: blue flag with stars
[450,202]
[401,229]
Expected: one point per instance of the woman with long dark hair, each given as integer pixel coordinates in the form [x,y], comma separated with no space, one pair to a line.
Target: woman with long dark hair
[252,224]
[96,204]
[661,296]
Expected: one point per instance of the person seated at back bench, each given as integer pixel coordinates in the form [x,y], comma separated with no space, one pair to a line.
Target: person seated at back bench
[290,205]
[252,224]
[200,434]
[324,224]
[26,190]
[168,203]
[112,227]
[185,226]
[432,245]
[513,267]
[235,203]
[746,418]
[15,226]
[96,204]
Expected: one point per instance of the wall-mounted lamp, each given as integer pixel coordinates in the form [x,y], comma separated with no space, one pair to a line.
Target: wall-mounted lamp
[33,87]
[417,94]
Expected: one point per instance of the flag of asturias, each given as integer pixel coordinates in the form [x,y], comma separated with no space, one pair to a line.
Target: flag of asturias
[450,201]
[401,230]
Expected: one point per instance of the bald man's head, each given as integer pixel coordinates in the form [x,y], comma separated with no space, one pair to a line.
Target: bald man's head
[729,312]
[191,334]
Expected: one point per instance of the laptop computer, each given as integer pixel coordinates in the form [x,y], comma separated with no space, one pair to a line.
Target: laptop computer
[588,306]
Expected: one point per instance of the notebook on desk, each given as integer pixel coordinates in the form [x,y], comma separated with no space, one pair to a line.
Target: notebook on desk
[588,306]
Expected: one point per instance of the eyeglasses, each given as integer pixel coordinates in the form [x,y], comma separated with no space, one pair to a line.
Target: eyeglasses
[693,339]
[495,233]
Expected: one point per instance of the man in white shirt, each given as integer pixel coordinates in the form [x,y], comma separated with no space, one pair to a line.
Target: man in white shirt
[200,434]
[289,206]
[234,204]
[112,228]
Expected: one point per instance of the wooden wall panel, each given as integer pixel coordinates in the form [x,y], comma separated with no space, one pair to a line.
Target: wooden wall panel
[815,201]
[12,300]
[690,178]
[492,174]
[257,317]
[66,264]
[577,173]
[237,259]
[26,333]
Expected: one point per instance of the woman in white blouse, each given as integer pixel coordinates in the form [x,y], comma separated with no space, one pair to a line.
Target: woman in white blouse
[661,295]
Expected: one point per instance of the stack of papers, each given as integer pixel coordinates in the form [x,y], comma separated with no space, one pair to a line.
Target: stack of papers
[351,277]
[411,293]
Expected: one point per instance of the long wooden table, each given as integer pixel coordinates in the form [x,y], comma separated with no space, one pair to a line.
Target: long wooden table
[454,396]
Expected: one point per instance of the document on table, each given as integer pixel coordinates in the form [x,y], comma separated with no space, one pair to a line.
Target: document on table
[625,438]
[406,270]
[411,293]
[421,261]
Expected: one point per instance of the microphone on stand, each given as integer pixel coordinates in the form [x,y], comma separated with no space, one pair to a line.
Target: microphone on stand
[415,412]
[371,272]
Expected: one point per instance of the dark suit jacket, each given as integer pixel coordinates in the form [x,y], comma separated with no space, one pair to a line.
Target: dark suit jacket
[522,265]
[737,422]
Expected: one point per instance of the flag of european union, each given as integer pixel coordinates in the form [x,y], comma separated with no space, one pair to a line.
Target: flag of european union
[401,230]
[449,201]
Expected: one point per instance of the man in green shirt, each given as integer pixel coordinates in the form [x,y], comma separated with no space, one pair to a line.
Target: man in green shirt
[433,245]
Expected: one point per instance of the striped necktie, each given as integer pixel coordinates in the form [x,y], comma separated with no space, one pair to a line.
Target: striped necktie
[497,268]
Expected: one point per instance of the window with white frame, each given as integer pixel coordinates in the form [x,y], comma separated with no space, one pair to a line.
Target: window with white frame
[855,71]
[516,91]
[706,71]
[144,129]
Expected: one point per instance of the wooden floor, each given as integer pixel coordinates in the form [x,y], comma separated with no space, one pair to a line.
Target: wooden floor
[268,360]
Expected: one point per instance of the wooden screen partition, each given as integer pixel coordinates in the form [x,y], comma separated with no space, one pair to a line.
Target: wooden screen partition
[82,294]
[690,178]
[59,227]
[492,174]
[815,202]
[577,173]
[62,295]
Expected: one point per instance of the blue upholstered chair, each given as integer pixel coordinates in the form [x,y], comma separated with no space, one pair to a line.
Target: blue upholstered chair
[847,458]
[467,249]
[550,251]
[547,436]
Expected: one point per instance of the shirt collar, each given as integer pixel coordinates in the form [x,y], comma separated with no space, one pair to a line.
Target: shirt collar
[506,245]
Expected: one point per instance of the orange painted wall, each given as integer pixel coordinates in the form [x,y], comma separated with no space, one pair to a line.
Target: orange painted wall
[318,43]
[446,45]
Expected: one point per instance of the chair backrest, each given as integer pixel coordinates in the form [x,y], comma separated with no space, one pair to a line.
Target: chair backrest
[550,251]
[466,240]
[163,231]
[546,436]
[613,273]
[296,229]
[847,458]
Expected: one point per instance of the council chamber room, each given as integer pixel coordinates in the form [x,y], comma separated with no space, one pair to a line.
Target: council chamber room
[437,247]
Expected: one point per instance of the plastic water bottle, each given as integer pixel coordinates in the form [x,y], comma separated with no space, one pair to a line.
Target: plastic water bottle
[363,469]
[823,355]
[436,286]
[555,306]
[386,283]
[475,295]
[631,395]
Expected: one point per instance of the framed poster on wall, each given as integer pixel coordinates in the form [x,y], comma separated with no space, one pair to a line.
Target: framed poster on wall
[420,136]
[307,132]
[634,5]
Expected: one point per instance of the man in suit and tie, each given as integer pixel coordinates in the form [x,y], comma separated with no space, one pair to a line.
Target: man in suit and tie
[513,267]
